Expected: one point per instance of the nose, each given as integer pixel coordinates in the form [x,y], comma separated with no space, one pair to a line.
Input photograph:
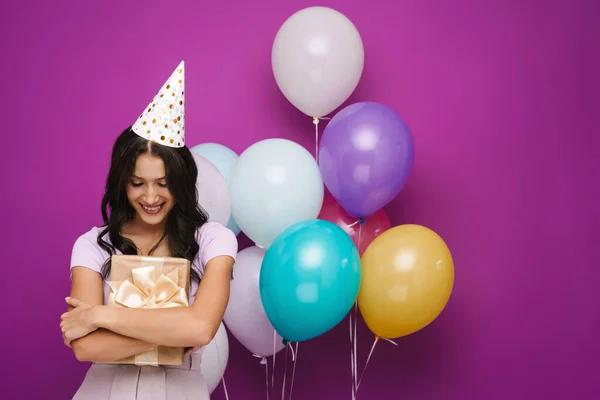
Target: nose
[151,195]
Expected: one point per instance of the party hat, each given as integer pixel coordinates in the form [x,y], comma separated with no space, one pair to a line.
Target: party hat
[163,120]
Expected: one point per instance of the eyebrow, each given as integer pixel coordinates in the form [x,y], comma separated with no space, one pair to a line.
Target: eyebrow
[142,179]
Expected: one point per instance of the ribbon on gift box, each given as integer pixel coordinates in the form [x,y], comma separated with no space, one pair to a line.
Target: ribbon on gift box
[146,290]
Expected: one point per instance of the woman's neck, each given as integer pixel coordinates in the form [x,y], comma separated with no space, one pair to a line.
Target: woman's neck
[138,227]
[147,238]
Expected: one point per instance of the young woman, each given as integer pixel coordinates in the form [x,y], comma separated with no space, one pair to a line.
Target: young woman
[150,207]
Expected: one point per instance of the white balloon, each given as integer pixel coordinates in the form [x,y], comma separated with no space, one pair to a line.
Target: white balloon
[276,183]
[245,316]
[213,193]
[214,359]
[317,59]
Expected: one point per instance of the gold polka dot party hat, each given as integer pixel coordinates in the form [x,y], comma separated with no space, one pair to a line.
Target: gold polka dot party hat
[162,121]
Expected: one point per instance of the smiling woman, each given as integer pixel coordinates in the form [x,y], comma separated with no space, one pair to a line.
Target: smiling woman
[150,207]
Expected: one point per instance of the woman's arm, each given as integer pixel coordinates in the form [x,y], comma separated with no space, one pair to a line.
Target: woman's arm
[105,346]
[193,326]
[100,345]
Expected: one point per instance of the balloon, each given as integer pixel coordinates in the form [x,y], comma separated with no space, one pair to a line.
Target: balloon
[366,155]
[213,193]
[407,279]
[225,160]
[317,59]
[309,279]
[214,359]
[245,316]
[276,183]
[361,231]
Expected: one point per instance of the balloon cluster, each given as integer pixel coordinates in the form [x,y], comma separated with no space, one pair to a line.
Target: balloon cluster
[315,256]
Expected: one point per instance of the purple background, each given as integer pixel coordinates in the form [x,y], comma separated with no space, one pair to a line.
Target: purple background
[500,96]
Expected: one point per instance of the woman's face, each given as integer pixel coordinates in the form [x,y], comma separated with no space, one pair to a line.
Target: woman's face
[147,190]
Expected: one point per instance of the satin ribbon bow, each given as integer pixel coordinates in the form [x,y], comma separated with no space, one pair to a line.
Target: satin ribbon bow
[147,291]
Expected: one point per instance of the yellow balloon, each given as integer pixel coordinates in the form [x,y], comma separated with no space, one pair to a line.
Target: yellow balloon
[406,280]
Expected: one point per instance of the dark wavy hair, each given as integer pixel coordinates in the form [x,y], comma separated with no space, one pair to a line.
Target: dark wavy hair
[184,219]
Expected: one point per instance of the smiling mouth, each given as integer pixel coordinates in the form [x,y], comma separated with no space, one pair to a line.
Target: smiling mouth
[152,210]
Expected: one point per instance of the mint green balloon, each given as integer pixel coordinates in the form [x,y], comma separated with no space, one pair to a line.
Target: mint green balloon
[309,279]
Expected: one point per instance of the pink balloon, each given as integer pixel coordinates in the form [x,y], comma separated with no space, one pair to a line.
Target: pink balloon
[213,192]
[372,226]
[245,316]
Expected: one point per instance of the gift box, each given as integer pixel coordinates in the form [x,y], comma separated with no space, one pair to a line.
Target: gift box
[150,282]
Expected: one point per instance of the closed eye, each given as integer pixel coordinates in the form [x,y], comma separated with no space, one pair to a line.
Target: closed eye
[138,184]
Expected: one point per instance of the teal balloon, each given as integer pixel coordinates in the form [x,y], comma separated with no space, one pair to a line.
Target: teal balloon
[225,160]
[309,279]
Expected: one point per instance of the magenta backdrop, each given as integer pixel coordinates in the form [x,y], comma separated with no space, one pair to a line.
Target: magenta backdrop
[500,96]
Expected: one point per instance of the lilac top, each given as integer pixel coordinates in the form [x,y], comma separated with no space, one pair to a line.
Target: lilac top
[213,238]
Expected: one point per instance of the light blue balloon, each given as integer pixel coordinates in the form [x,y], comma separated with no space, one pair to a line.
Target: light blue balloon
[309,279]
[221,156]
[233,226]
[225,160]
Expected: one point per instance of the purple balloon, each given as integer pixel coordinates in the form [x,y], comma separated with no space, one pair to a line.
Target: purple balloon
[366,155]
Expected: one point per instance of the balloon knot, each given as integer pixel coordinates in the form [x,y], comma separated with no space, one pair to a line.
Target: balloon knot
[315,120]
[285,342]
[361,221]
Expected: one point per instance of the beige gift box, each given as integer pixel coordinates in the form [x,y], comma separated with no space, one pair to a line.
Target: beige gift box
[150,282]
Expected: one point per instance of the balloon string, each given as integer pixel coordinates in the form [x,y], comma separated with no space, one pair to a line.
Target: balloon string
[361,223]
[263,360]
[369,358]
[352,354]
[274,355]
[316,123]
[295,359]
[225,388]
[360,226]
[355,322]
[267,378]
[367,362]
[355,351]
[284,373]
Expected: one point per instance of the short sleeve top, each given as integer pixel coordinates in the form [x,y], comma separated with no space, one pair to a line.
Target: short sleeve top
[213,238]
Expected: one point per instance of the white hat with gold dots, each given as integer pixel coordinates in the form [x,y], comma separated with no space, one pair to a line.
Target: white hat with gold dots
[163,120]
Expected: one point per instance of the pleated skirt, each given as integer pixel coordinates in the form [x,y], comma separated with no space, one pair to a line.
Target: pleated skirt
[130,382]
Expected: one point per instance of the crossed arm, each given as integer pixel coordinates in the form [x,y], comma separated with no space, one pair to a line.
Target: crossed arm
[100,333]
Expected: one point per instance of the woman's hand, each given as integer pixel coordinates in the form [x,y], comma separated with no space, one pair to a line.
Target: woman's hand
[78,322]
